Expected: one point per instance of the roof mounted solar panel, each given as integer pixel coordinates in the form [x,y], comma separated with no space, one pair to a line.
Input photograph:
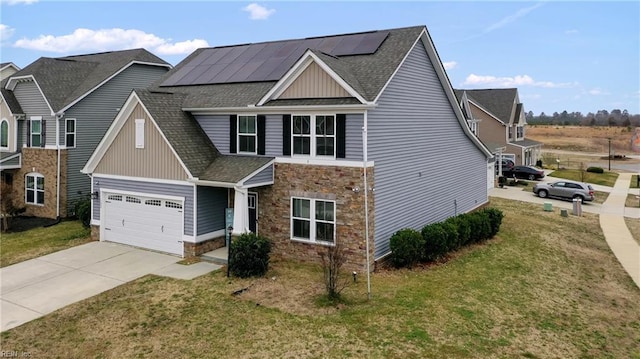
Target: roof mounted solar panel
[267,61]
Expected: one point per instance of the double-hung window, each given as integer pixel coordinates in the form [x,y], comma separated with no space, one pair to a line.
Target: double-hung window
[34,189]
[313,220]
[36,131]
[70,133]
[314,135]
[520,133]
[4,133]
[247,134]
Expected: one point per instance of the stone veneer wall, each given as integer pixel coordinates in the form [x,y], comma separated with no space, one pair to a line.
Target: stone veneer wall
[319,182]
[43,161]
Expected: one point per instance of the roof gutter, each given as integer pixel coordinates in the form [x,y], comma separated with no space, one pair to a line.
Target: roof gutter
[278,109]
[199,182]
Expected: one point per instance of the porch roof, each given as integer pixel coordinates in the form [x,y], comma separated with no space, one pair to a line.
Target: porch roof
[10,160]
[526,143]
[234,169]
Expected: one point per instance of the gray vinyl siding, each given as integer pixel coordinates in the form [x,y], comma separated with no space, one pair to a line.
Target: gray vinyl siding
[50,134]
[264,176]
[273,136]
[31,99]
[217,129]
[353,137]
[94,115]
[212,202]
[11,162]
[426,168]
[148,188]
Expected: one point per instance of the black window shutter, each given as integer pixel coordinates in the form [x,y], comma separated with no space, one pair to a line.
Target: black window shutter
[341,137]
[286,135]
[233,134]
[262,127]
[43,132]
[28,122]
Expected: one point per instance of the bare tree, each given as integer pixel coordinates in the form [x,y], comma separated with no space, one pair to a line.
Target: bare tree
[7,207]
[332,261]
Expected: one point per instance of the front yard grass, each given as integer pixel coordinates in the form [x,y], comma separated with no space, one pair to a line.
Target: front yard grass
[604,179]
[634,227]
[632,201]
[20,246]
[546,286]
[634,182]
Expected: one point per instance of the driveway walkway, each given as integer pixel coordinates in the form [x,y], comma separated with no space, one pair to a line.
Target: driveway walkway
[612,213]
[33,288]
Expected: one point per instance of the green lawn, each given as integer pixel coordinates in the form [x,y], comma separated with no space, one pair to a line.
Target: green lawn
[20,246]
[546,287]
[604,179]
[634,182]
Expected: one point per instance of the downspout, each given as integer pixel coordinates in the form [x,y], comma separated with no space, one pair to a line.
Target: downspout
[58,116]
[366,202]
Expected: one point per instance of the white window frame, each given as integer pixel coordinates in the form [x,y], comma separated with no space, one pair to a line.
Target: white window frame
[313,221]
[139,133]
[67,132]
[31,133]
[2,122]
[313,135]
[519,132]
[248,134]
[35,189]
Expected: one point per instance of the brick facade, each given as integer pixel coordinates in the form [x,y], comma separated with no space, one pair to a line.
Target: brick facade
[43,161]
[319,182]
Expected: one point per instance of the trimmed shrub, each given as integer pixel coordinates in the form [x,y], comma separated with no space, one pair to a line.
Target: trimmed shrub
[407,247]
[480,226]
[82,209]
[495,219]
[595,170]
[464,229]
[249,255]
[539,163]
[435,241]
[451,234]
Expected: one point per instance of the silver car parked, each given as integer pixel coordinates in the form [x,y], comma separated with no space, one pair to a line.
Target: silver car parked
[565,189]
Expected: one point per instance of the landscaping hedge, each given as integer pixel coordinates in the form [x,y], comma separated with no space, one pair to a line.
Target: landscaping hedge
[249,255]
[595,169]
[435,240]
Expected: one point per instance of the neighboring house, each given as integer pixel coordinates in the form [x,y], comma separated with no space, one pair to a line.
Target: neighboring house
[497,117]
[55,111]
[282,132]
[7,69]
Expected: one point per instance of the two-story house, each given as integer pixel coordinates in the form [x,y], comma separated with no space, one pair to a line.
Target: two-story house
[497,117]
[312,142]
[55,111]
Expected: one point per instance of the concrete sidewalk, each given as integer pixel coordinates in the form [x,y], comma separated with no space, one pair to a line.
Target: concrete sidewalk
[33,288]
[615,230]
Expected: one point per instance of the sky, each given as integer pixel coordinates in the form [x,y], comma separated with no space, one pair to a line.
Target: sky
[561,55]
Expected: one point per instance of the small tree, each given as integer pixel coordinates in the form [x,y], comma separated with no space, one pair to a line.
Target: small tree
[582,171]
[332,261]
[7,207]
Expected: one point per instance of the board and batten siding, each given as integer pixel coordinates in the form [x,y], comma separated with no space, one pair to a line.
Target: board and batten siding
[155,160]
[314,82]
[426,168]
[264,176]
[94,114]
[149,189]
[212,202]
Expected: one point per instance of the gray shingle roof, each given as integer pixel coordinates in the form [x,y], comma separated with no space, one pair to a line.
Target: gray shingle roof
[366,73]
[181,130]
[499,102]
[232,169]
[12,102]
[65,79]
[527,143]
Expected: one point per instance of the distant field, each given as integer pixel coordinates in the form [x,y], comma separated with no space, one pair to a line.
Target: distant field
[583,138]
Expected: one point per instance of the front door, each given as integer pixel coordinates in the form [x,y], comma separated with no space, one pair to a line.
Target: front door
[252,203]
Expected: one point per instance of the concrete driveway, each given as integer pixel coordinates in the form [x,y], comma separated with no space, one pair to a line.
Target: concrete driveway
[33,288]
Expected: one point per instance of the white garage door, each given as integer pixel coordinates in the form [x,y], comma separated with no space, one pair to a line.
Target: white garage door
[143,221]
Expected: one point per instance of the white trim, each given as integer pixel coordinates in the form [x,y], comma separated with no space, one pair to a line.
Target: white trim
[141,194]
[95,222]
[143,179]
[198,182]
[296,70]
[111,77]
[11,167]
[139,133]
[260,184]
[278,110]
[30,131]
[313,136]
[254,135]
[195,211]
[313,221]
[35,189]
[4,120]
[321,162]
[207,236]
[10,64]
[13,82]
[75,132]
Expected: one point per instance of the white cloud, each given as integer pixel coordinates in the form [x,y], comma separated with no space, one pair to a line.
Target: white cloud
[257,12]
[518,80]
[108,39]
[16,2]
[6,32]
[597,92]
[571,32]
[449,65]
[511,18]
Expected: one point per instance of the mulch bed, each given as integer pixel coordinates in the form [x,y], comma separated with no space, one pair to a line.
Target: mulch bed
[23,223]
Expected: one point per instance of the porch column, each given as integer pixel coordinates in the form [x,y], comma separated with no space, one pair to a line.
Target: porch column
[240,211]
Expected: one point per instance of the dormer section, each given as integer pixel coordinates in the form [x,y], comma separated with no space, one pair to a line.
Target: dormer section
[314,82]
